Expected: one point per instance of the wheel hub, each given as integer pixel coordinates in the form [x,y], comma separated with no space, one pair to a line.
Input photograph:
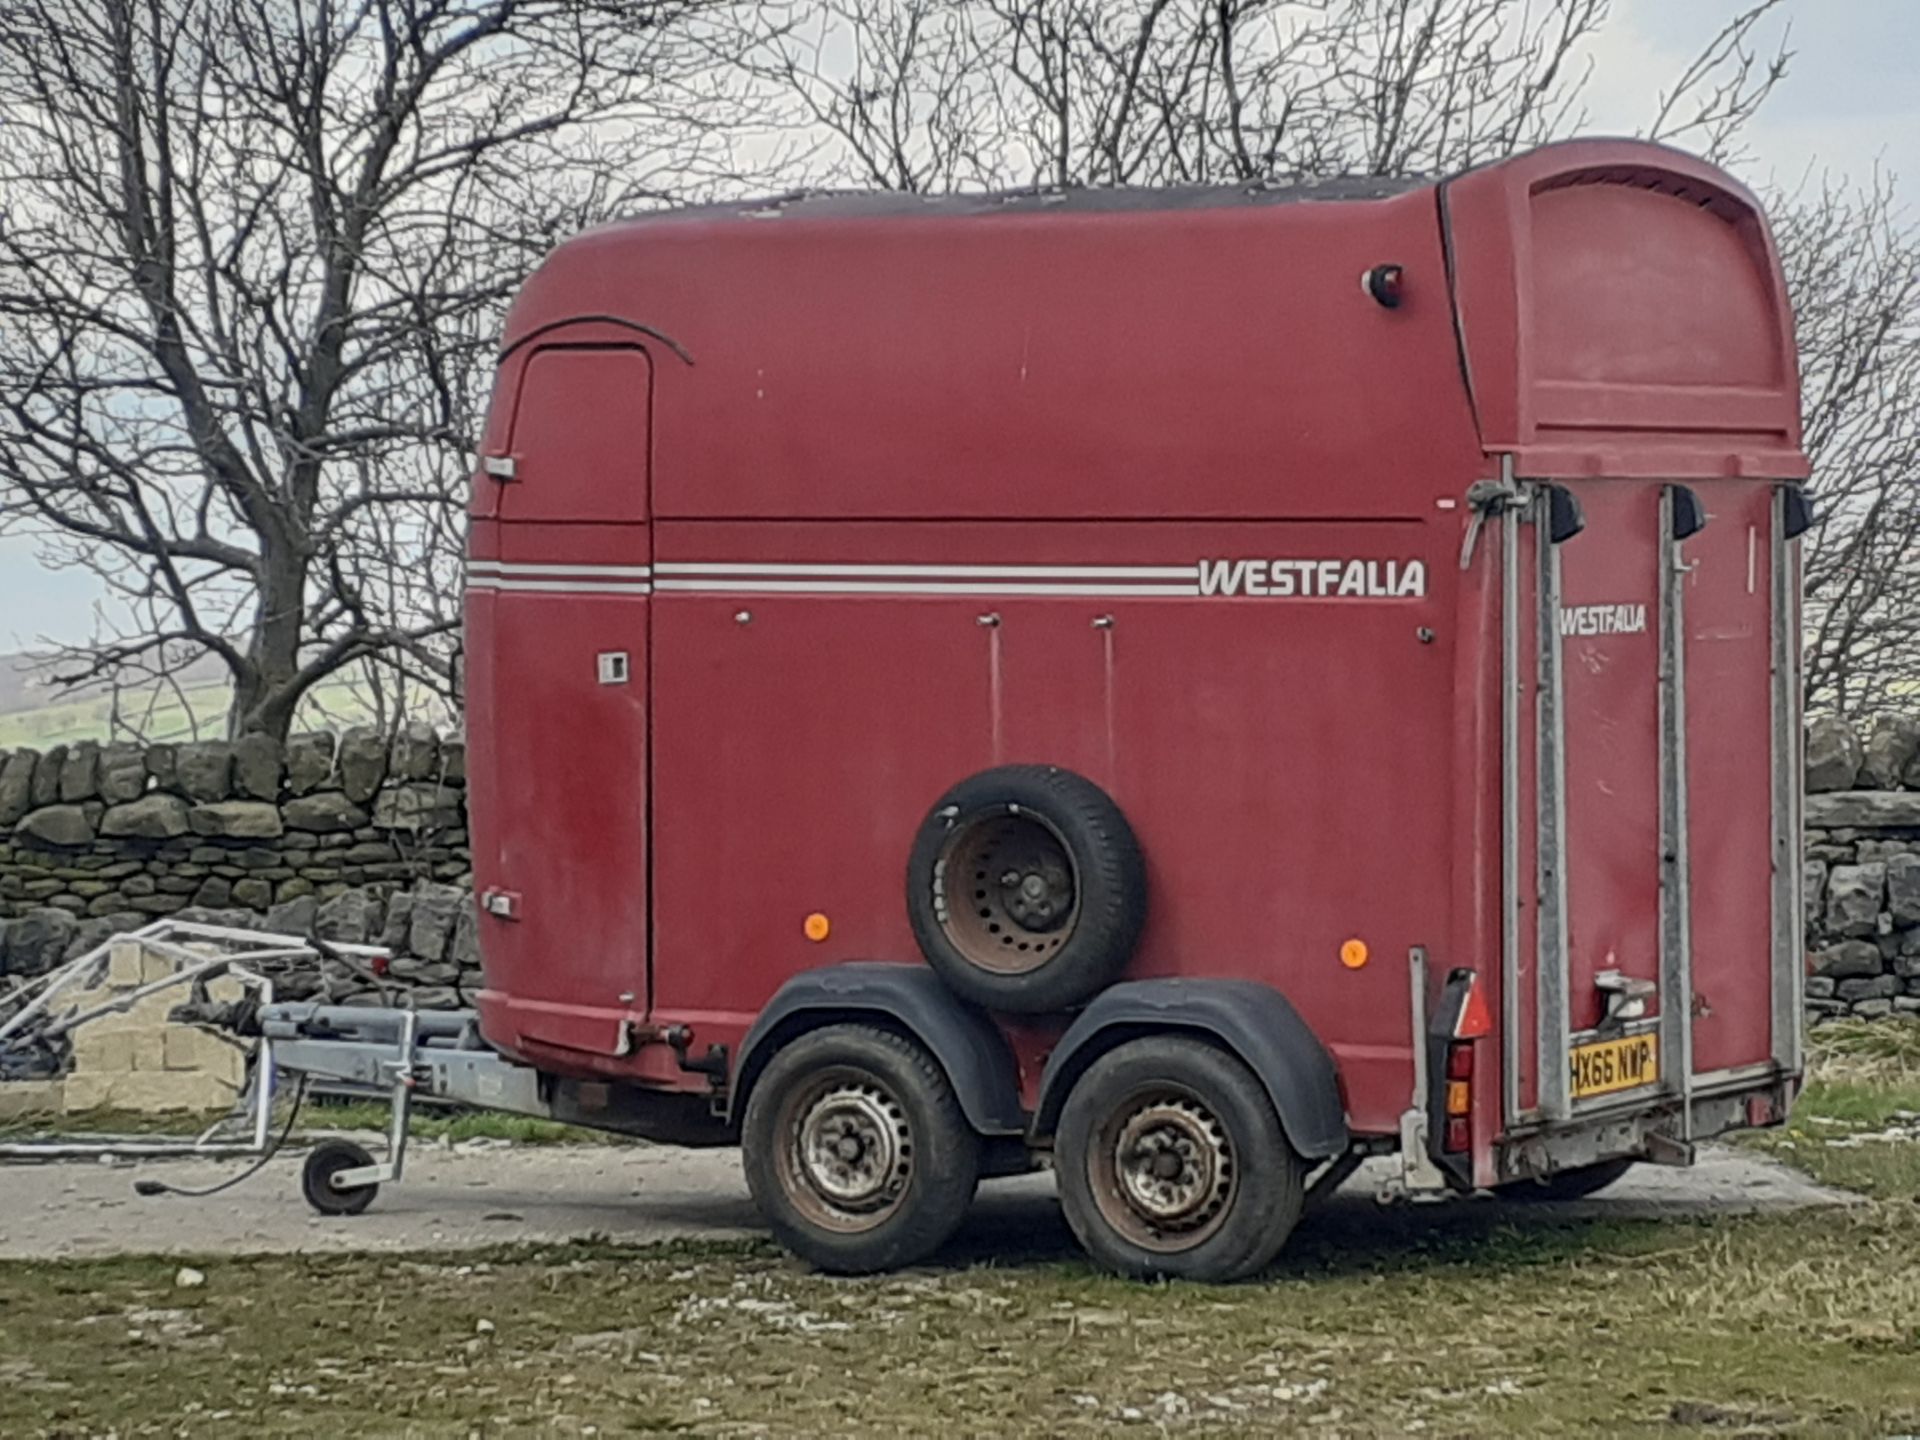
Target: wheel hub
[853,1148]
[1013,899]
[1173,1164]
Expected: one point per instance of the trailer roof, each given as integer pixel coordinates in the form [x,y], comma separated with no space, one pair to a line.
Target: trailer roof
[865,204]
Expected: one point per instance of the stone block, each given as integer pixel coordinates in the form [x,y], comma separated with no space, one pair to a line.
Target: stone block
[81,1093]
[213,892]
[399,922]
[453,761]
[126,965]
[1820,987]
[1876,987]
[163,765]
[417,806]
[157,904]
[309,762]
[414,753]
[204,770]
[160,1091]
[27,1099]
[1847,959]
[1873,1009]
[185,1047]
[1849,811]
[362,763]
[80,774]
[252,892]
[354,918]
[123,772]
[436,909]
[1855,894]
[16,785]
[1834,755]
[1903,889]
[293,916]
[324,813]
[116,1050]
[46,777]
[236,820]
[1891,746]
[37,941]
[66,826]
[158,816]
[258,762]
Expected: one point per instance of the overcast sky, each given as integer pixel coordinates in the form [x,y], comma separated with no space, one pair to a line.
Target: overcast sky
[1850,102]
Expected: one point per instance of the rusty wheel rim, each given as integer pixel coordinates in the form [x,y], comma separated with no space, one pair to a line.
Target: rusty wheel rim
[1162,1169]
[1007,892]
[846,1152]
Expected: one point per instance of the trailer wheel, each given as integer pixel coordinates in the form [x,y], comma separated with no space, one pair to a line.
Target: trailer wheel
[856,1150]
[1172,1163]
[326,1160]
[1567,1184]
[1026,889]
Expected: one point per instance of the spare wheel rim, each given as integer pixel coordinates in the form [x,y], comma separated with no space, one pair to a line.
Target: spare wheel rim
[1007,891]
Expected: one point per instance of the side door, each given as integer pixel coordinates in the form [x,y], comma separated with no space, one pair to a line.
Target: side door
[558,617]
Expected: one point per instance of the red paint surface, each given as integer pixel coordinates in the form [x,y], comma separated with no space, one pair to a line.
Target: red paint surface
[1152,387]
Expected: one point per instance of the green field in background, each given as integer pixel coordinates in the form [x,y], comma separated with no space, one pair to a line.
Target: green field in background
[196,712]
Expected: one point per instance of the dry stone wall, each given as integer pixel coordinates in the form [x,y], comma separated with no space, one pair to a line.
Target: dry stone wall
[1863,868]
[359,837]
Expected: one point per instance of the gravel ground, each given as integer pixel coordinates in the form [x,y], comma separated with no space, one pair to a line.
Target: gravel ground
[487,1193]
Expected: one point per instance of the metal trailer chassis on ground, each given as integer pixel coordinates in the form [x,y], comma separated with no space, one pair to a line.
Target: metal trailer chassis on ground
[403,1053]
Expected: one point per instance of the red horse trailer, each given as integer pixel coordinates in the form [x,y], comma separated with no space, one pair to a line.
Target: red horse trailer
[1190,687]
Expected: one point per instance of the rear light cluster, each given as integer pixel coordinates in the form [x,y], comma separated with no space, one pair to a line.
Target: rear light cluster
[1456,1139]
[1472,1023]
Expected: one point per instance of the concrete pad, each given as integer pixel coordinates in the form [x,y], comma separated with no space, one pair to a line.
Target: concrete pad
[489,1194]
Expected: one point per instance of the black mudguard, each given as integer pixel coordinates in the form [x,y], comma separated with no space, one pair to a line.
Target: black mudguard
[1254,1021]
[911,998]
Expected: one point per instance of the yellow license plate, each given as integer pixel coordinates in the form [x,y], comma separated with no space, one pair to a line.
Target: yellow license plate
[1609,1065]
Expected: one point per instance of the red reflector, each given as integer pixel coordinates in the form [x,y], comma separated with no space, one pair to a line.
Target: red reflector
[1475,1020]
[1457,1137]
[380,964]
[1459,1062]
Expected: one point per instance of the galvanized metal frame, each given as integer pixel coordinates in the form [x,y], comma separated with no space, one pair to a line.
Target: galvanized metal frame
[1789,896]
[1550,788]
[1510,799]
[1676,928]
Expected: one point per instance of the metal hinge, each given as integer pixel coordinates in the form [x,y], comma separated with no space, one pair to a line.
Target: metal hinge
[1485,499]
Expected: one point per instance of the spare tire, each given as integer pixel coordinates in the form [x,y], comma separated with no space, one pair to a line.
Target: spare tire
[1026,889]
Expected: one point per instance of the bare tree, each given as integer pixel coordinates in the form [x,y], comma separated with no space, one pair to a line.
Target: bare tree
[1853,265]
[253,256]
[947,94]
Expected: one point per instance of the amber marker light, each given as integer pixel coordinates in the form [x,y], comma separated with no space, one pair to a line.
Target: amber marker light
[1353,953]
[818,927]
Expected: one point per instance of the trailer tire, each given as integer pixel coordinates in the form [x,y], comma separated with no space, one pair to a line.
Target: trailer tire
[1026,889]
[1172,1163]
[323,1162]
[856,1150]
[1566,1185]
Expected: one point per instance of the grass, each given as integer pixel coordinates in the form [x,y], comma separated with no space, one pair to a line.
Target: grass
[1466,1319]
[1857,1124]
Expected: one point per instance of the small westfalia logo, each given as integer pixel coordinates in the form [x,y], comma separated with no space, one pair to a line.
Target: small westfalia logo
[1602,619]
[1322,579]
